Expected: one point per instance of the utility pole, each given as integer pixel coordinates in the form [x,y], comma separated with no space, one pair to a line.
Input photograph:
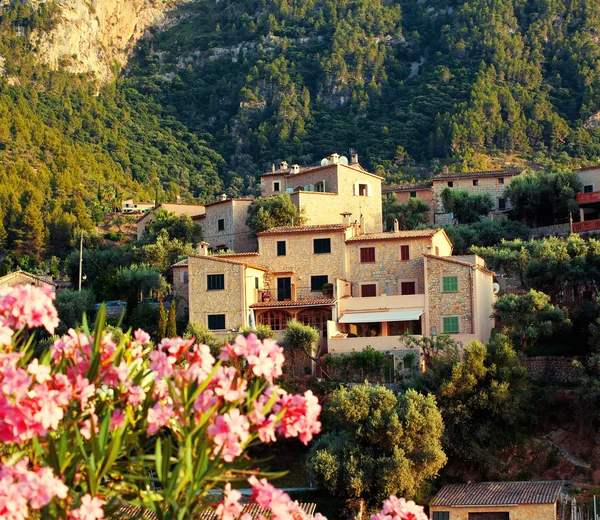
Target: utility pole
[80,259]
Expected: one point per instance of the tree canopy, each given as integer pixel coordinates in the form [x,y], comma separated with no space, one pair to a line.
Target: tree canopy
[273,212]
[466,207]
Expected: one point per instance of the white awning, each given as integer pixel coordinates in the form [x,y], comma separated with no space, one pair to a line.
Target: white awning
[372,317]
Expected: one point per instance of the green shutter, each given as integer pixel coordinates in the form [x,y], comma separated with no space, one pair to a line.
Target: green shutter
[450,324]
[450,284]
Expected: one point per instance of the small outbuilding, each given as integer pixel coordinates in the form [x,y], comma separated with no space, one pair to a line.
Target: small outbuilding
[535,500]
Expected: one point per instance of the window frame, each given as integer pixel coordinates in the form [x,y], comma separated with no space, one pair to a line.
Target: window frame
[208,316]
[440,515]
[221,221]
[475,182]
[444,285]
[400,253]
[500,180]
[184,277]
[408,280]
[312,285]
[413,194]
[450,184]
[276,185]
[215,274]
[321,241]
[585,186]
[369,284]
[452,317]
[360,255]
[284,242]
[501,203]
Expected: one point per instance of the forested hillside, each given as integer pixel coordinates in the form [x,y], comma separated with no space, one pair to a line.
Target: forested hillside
[208,104]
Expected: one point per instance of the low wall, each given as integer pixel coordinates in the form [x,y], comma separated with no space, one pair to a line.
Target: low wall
[552,369]
[556,229]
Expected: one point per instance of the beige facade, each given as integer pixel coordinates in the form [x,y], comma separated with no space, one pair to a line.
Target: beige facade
[405,192]
[476,183]
[516,512]
[224,225]
[131,206]
[192,210]
[181,287]
[324,192]
[589,177]
[25,278]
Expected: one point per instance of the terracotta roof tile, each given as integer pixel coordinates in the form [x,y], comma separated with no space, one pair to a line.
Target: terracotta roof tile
[181,263]
[303,229]
[588,168]
[294,303]
[390,235]
[460,262]
[468,175]
[235,255]
[215,258]
[406,187]
[498,493]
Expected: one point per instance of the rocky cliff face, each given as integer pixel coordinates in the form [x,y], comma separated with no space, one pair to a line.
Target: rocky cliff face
[92,36]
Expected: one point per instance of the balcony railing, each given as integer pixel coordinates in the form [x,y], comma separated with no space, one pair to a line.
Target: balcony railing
[588,198]
[586,225]
[295,293]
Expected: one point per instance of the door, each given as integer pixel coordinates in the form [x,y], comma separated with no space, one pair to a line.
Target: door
[284,289]
[489,516]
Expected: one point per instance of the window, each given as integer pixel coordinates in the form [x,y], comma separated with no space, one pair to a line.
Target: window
[450,324]
[475,182]
[450,284]
[367,255]
[216,321]
[317,282]
[215,282]
[315,318]
[368,290]
[441,515]
[276,186]
[501,204]
[281,248]
[363,190]
[588,188]
[500,180]
[450,184]
[320,186]
[413,194]
[256,282]
[322,246]
[437,251]
[276,319]
[184,277]
[408,288]
[404,252]
[221,224]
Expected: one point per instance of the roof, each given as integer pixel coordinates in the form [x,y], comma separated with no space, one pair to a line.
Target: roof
[164,204]
[307,169]
[468,175]
[391,235]
[215,258]
[413,186]
[14,274]
[229,200]
[460,262]
[254,510]
[498,493]
[588,168]
[181,263]
[303,229]
[294,303]
[236,255]
[223,256]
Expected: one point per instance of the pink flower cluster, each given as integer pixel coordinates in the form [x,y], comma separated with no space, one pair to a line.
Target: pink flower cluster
[90,509]
[264,358]
[22,490]
[26,306]
[399,509]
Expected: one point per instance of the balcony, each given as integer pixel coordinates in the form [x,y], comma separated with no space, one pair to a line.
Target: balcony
[383,302]
[586,225]
[588,198]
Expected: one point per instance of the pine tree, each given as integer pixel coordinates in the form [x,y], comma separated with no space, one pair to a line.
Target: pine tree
[172,323]
[161,330]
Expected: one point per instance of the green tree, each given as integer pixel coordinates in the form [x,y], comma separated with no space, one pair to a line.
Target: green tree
[165,252]
[262,332]
[467,208]
[410,215]
[273,212]
[485,233]
[71,305]
[528,317]
[299,340]
[377,444]
[161,328]
[172,322]
[177,227]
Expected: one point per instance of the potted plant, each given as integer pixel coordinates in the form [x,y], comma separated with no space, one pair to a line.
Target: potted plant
[327,290]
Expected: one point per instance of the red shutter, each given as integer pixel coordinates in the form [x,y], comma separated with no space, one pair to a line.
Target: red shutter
[368,290]
[367,254]
[404,253]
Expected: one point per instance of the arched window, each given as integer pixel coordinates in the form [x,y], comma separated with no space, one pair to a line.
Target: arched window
[316,318]
[275,319]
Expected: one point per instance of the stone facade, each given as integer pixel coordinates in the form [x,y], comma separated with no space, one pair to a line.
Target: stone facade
[193,210]
[553,369]
[518,512]
[590,176]
[420,191]
[181,288]
[231,214]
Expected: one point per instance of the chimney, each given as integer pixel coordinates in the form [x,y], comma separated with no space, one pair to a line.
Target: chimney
[203,248]
[283,165]
[354,158]
[222,197]
[334,158]
[446,170]
[361,226]
[346,218]
[272,167]
[396,226]
[178,199]
[295,168]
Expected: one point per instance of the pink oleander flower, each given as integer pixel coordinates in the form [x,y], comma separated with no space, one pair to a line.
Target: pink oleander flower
[6,335]
[301,415]
[141,337]
[228,385]
[41,373]
[136,395]
[230,431]
[399,509]
[175,346]
[28,306]
[162,364]
[90,509]
[86,426]
[230,508]
[268,361]
[117,419]
[158,416]
[83,390]
[278,502]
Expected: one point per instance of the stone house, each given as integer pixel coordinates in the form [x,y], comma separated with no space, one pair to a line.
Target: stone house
[493,182]
[415,190]
[498,501]
[131,206]
[324,192]
[25,278]
[224,225]
[193,210]
[588,200]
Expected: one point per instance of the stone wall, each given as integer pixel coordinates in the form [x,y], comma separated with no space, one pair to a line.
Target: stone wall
[180,288]
[518,512]
[556,229]
[426,195]
[485,185]
[552,369]
[236,235]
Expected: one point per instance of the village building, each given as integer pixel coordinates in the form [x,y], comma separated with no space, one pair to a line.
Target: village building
[130,206]
[498,501]
[25,278]
[324,192]
[224,225]
[588,200]
[415,190]
[193,210]
[493,182]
